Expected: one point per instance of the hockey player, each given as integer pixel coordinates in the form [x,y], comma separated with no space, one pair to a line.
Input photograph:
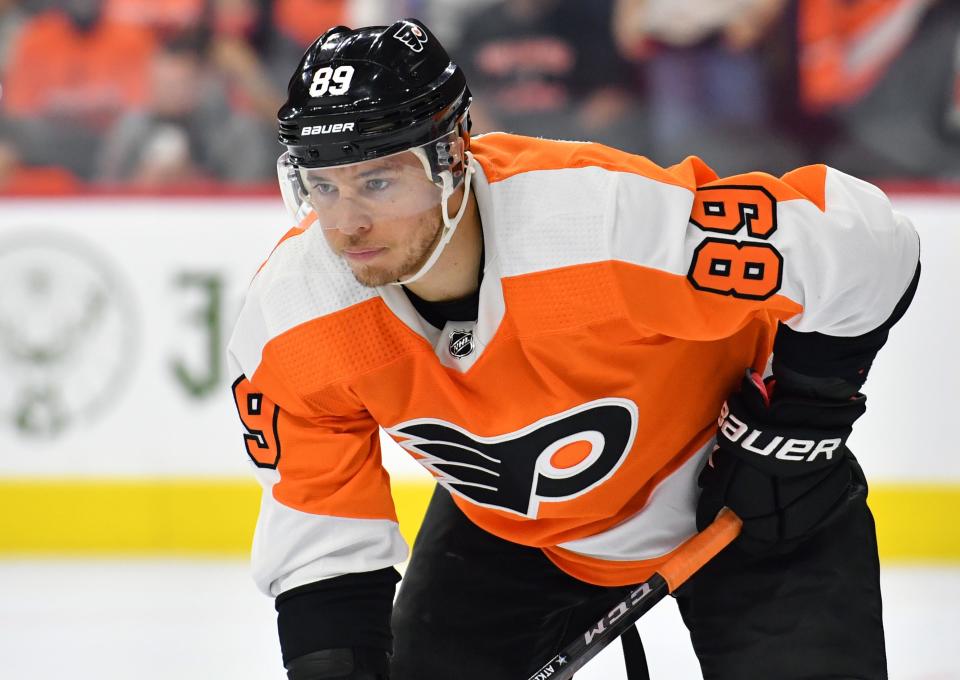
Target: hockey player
[552,329]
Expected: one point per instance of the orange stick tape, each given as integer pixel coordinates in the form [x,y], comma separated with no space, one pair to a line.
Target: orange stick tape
[701,549]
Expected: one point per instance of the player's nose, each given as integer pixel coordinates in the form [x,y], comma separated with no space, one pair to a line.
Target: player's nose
[350,217]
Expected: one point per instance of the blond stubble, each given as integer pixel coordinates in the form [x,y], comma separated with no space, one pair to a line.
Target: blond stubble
[415,255]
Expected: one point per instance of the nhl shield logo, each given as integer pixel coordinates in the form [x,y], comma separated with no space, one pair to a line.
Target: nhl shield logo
[412,36]
[461,343]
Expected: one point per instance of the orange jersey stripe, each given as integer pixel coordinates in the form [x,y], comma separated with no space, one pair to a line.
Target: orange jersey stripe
[504,156]
[600,292]
[811,182]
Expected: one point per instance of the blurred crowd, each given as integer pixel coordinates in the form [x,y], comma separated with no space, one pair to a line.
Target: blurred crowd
[175,93]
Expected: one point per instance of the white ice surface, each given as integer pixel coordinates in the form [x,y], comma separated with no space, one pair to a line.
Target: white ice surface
[187,620]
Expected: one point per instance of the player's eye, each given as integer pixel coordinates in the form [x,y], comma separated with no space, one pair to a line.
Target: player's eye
[324,188]
[377,184]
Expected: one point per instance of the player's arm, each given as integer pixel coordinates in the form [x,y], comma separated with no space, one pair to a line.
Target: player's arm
[833,366]
[327,535]
[781,460]
[785,493]
[338,627]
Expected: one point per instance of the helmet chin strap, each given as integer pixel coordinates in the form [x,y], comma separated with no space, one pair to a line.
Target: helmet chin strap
[449,224]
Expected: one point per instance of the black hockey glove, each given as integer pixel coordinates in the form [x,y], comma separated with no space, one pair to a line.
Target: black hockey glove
[342,664]
[781,463]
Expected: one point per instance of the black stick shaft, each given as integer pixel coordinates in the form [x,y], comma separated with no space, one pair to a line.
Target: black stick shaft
[672,574]
[575,655]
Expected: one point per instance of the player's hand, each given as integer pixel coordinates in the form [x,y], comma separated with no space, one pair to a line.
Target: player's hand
[781,463]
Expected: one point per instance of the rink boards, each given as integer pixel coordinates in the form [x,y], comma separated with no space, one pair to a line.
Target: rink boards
[117,433]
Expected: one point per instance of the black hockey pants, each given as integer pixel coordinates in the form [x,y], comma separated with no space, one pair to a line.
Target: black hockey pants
[474,607]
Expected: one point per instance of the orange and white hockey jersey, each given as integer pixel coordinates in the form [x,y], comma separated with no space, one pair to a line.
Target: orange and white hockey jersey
[620,304]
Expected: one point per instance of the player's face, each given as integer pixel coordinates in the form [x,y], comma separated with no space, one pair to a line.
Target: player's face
[382,216]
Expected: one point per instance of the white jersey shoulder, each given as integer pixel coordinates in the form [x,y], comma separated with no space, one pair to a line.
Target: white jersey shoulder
[301,281]
[585,210]
[847,255]
[849,264]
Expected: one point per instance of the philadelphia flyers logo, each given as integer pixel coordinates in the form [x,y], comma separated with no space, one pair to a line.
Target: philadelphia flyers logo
[554,459]
[412,36]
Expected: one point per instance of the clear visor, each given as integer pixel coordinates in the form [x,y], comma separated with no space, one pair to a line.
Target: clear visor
[393,188]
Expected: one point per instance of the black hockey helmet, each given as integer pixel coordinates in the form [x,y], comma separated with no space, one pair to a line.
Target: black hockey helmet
[371,92]
[369,113]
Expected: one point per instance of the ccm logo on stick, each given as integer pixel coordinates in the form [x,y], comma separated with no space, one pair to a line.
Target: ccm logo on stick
[621,609]
[326,129]
[782,448]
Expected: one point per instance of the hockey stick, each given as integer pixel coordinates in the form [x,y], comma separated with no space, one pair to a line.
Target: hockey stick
[688,559]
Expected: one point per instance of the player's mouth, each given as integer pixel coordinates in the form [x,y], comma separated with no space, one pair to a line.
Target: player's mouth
[362,254]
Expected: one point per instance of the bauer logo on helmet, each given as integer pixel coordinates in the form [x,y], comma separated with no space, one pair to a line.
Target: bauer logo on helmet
[333,128]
